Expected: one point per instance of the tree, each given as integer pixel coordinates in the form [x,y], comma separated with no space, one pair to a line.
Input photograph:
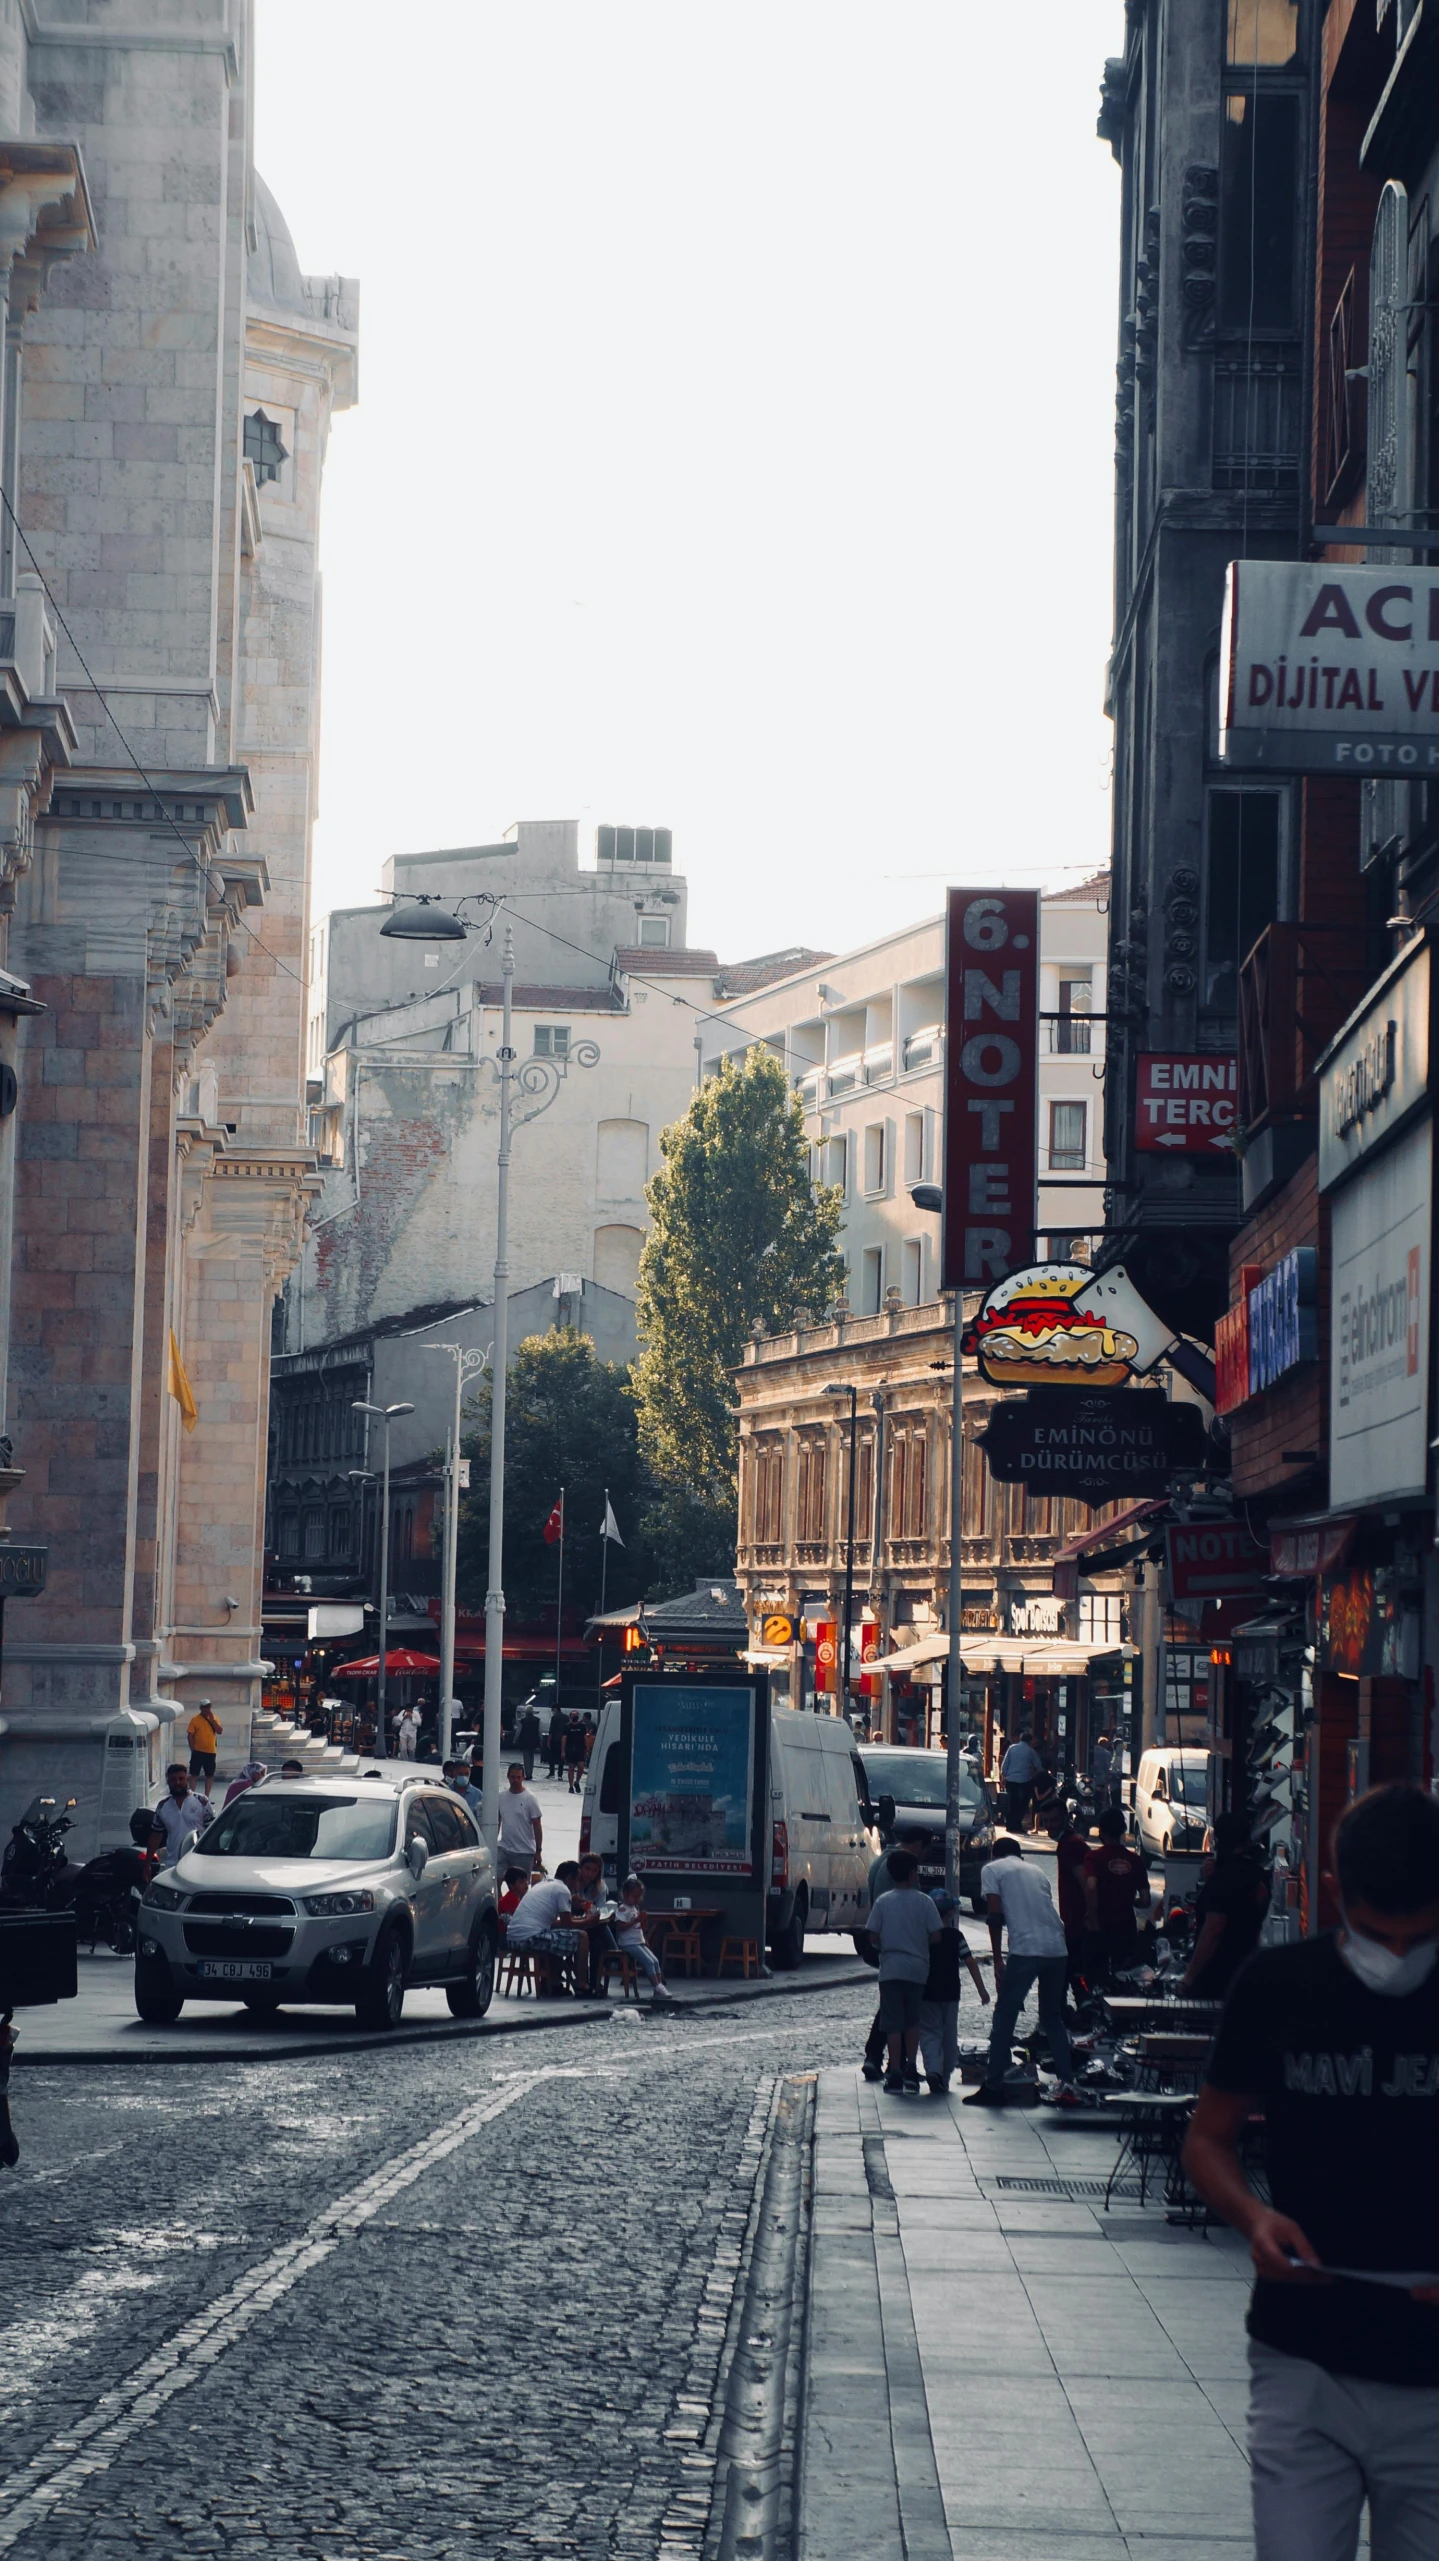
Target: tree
[569,1421]
[739,1233]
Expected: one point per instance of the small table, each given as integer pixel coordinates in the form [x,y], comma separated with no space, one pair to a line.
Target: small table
[1153,2127]
[660,1926]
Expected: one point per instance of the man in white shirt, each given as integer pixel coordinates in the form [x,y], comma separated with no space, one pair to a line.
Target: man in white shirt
[1019,1769]
[522,1828]
[1018,1901]
[178,1816]
[544,1922]
[408,1734]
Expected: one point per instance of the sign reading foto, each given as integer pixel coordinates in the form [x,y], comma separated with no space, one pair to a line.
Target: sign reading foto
[1184,1106]
[991,1084]
[1328,669]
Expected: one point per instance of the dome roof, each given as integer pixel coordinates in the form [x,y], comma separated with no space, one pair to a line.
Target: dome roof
[273,271]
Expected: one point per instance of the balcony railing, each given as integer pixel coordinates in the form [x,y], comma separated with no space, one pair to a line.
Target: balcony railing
[1298,984]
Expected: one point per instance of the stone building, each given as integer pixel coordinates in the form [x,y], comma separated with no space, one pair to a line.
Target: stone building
[610,1008]
[1210,114]
[1061,1667]
[165,430]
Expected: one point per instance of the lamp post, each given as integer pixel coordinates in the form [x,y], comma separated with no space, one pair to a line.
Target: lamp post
[467,1363]
[386,1414]
[847,1388]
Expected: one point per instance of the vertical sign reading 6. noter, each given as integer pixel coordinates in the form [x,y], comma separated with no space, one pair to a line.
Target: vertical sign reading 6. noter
[991,1081]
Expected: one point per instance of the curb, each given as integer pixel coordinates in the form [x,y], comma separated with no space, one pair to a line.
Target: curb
[433,2032]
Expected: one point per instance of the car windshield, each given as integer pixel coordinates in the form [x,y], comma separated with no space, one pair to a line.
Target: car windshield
[914,1778]
[258,1826]
[1188,1786]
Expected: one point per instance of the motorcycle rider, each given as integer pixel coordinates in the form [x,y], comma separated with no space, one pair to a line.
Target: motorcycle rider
[178,1816]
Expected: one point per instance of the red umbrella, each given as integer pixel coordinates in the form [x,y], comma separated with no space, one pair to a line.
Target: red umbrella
[400,1659]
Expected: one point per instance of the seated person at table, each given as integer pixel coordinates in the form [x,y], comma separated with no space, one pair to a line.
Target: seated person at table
[589,1895]
[631,1940]
[544,1921]
[516,1887]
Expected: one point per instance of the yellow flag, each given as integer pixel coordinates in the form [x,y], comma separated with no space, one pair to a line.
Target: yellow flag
[180,1387]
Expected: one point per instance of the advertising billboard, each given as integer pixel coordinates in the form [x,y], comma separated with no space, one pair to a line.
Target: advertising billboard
[692,1780]
[1379,1343]
[1376,1070]
[991,1144]
[1327,669]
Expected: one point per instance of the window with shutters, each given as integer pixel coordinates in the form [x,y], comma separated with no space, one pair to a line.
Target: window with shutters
[810,1491]
[769,1494]
[863,1489]
[976,1492]
[907,1486]
[1066,1137]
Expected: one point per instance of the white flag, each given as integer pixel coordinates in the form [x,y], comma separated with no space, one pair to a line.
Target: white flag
[609,1526]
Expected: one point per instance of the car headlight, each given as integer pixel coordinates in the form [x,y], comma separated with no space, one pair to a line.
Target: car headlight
[163,1898]
[331,1906]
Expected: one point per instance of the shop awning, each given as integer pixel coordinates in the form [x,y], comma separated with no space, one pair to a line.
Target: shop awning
[1069,1561]
[1043,1657]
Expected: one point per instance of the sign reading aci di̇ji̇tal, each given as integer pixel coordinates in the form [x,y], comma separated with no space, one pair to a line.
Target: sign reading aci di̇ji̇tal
[1328,669]
[691,1781]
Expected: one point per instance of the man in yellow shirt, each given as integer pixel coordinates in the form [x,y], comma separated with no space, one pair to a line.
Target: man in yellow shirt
[204,1731]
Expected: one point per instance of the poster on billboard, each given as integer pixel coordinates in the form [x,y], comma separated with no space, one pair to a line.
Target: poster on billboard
[1379,1346]
[991,1159]
[692,1780]
[1329,669]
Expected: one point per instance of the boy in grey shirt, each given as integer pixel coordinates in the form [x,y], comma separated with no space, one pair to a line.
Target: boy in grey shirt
[902,1924]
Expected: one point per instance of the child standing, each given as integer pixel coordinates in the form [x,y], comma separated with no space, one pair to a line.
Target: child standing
[939,2010]
[631,1938]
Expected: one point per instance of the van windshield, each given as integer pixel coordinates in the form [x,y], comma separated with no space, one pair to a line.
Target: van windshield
[914,1778]
[260,1826]
[1188,1785]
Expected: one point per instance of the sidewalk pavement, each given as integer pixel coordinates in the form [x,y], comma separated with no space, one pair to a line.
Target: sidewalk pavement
[100,2025]
[995,2373]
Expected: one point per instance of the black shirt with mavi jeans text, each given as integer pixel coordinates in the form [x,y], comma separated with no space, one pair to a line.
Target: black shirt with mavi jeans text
[1348,2081]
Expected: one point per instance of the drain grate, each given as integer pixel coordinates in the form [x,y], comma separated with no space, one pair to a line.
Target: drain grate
[1127,2188]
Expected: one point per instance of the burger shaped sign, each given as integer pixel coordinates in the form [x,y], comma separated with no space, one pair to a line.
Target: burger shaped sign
[1057,1324]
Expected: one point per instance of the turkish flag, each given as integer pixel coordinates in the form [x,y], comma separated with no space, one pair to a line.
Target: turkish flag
[555,1525]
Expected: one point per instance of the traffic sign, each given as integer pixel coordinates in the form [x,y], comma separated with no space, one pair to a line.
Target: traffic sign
[1185,1105]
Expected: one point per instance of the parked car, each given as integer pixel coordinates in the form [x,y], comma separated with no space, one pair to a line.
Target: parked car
[820,1855]
[906,1791]
[1171,1798]
[331,1891]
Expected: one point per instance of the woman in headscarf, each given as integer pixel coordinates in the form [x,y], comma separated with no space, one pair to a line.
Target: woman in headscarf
[250,1776]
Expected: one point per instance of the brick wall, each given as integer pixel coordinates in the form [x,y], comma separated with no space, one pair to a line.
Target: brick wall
[1295,1414]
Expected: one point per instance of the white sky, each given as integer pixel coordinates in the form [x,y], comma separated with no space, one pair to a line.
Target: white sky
[734,448]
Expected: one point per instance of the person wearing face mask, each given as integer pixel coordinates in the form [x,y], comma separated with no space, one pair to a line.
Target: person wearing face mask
[1336,2043]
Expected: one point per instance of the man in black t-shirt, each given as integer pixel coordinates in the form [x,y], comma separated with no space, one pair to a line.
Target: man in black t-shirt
[1336,2043]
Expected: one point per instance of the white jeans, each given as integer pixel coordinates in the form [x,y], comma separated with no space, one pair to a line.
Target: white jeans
[1321,2443]
[407,1745]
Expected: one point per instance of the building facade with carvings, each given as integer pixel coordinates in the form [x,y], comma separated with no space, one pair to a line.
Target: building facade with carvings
[169,386]
[794,1499]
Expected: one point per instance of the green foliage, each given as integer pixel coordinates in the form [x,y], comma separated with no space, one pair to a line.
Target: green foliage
[570,1420]
[739,1233]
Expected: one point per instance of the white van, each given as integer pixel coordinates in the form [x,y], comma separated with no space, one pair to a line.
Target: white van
[1171,1798]
[820,1850]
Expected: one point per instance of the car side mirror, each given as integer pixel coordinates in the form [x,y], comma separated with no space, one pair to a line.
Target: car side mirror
[886,1813]
[417,1857]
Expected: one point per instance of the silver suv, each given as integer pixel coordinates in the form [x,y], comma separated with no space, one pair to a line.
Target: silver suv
[324,1890]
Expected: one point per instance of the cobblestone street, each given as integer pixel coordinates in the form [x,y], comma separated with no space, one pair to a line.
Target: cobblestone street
[441,2300]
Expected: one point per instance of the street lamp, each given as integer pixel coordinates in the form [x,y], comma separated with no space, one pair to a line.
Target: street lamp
[847,1388]
[386,1414]
[930,1196]
[467,1363]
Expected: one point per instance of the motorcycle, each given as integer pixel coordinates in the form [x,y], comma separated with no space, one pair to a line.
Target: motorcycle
[36,1875]
[110,1889]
